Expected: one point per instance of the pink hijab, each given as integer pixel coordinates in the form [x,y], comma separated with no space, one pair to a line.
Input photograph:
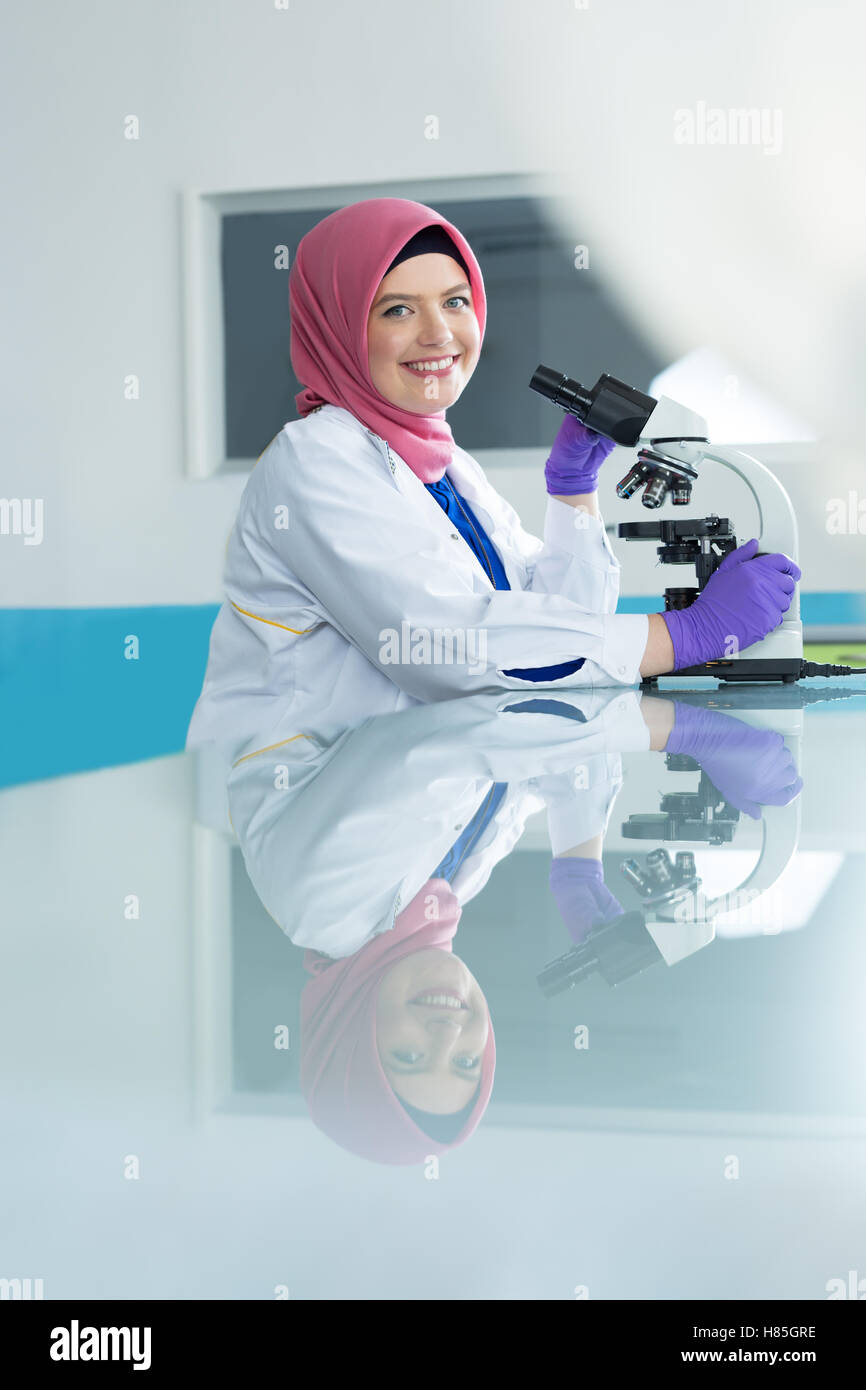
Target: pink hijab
[345,1086]
[338,268]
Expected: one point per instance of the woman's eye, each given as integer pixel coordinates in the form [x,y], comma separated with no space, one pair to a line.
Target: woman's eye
[394,311]
[409,1058]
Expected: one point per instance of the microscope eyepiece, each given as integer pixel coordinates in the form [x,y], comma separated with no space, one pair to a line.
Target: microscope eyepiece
[560,389]
[610,407]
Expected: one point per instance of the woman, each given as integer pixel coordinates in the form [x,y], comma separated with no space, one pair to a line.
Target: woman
[370,549]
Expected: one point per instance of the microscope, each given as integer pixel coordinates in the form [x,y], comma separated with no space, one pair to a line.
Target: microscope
[673,445]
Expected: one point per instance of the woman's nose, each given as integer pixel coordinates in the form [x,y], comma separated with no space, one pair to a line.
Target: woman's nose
[444,1025]
[434,331]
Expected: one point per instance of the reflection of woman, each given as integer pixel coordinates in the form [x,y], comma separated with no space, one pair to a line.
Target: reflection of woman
[364,531]
[338,833]
[397,1045]
[397,1042]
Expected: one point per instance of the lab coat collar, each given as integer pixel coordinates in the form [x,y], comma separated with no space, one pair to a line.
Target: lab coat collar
[468,479]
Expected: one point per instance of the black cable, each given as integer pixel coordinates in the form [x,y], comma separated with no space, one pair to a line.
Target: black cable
[817,668]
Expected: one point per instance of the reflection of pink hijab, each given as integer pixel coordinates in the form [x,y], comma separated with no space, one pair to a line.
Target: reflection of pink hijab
[347,1091]
[337,270]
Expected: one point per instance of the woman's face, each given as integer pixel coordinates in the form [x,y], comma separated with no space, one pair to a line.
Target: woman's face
[423,341]
[431,1030]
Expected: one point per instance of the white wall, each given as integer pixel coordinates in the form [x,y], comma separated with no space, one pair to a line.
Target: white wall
[755,253]
[229,97]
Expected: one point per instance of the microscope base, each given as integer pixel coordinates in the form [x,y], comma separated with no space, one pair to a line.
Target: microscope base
[783,668]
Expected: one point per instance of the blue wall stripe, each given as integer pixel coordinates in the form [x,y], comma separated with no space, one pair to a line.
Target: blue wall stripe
[71,702]
[816,609]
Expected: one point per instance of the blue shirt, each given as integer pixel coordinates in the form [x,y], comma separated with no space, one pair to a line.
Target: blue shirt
[473,832]
[464,520]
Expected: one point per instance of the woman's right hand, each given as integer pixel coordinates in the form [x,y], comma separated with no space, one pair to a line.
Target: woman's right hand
[750,767]
[744,599]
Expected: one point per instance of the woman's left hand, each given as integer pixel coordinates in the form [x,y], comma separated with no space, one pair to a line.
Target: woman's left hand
[575,459]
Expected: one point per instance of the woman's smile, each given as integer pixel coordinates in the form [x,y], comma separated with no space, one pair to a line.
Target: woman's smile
[432,366]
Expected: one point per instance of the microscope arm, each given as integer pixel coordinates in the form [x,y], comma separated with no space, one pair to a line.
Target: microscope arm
[683,927]
[676,434]
[781,827]
[777,520]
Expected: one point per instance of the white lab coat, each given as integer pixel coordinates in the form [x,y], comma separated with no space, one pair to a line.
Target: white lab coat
[337,543]
[339,833]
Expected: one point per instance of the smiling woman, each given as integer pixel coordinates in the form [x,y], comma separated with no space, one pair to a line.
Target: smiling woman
[364,516]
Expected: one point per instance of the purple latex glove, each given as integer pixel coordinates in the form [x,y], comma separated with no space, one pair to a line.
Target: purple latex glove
[575,459]
[743,601]
[750,767]
[583,899]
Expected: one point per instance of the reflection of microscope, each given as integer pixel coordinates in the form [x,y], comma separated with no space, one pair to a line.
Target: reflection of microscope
[675,917]
[701,815]
[674,444]
[625,946]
